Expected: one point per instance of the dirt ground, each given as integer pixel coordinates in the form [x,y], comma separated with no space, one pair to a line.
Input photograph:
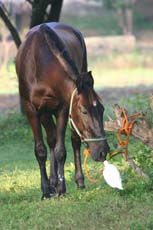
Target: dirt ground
[10,103]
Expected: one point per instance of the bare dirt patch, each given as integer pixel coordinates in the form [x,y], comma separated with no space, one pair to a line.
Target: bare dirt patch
[9,103]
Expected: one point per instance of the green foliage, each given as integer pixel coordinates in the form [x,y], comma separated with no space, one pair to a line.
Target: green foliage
[140,152]
[96,207]
[108,4]
[142,24]
[111,4]
[98,25]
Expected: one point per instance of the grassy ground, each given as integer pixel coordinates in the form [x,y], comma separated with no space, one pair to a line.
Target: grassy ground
[103,77]
[9,79]
[95,208]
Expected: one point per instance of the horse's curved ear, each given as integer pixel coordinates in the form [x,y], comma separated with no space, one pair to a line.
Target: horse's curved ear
[90,78]
[84,80]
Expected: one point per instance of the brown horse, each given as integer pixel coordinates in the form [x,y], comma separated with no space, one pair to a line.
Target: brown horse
[54,84]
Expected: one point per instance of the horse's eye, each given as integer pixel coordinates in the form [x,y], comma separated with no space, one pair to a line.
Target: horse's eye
[83,110]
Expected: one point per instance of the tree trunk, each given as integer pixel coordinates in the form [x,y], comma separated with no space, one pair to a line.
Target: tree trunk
[129,20]
[40,14]
[121,20]
[10,26]
[125,20]
[39,11]
[54,14]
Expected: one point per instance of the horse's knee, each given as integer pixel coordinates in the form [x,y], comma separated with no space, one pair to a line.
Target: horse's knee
[51,142]
[60,153]
[41,152]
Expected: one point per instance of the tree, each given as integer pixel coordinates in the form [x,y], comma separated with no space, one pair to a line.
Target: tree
[125,14]
[124,9]
[42,11]
[45,11]
[5,17]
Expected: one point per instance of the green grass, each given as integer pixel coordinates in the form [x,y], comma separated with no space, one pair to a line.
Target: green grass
[9,79]
[103,77]
[117,69]
[122,77]
[95,208]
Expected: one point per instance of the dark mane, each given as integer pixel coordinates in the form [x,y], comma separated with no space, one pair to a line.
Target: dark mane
[56,46]
[77,34]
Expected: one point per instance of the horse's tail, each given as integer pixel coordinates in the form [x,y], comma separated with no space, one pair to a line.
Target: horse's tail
[57,48]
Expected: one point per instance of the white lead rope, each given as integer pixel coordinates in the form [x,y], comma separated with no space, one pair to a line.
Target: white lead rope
[72,123]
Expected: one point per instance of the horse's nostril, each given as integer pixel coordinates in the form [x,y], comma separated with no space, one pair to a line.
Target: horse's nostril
[102,156]
[107,148]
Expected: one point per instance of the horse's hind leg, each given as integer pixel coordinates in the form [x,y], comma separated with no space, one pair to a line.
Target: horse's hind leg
[40,149]
[50,129]
[76,144]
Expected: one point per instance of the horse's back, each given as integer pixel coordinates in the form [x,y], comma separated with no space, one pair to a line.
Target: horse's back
[36,63]
[71,39]
[68,35]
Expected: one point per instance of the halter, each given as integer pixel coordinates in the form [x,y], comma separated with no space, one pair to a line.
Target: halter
[72,123]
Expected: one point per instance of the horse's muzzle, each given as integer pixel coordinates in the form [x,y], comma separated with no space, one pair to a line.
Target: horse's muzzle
[99,151]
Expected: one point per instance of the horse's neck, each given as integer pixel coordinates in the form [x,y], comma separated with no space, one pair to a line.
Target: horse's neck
[68,91]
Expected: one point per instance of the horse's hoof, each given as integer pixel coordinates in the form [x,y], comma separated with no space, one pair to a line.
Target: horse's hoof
[48,196]
[45,196]
[61,188]
[80,184]
[53,190]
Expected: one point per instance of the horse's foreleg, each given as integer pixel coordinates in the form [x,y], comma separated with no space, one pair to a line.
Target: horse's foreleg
[50,128]
[60,150]
[40,149]
[76,144]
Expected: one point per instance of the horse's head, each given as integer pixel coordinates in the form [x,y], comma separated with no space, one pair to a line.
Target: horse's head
[86,114]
